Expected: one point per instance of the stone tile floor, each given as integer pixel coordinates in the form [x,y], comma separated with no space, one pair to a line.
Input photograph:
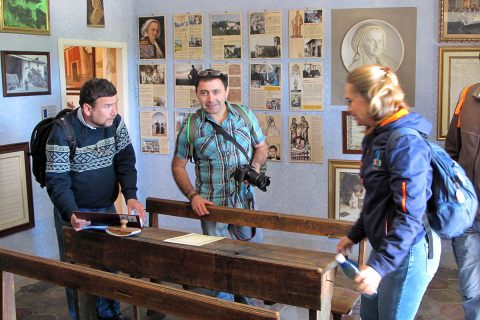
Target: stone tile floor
[43,301]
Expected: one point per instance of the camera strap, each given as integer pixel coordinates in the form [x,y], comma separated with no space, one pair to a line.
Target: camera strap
[227,136]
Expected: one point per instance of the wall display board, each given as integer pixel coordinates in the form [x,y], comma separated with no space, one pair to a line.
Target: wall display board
[152,90]
[234,73]
[226,36]
[305,33]
[271,125]
[265,86]
[154,132]
[265,34]
[305,138]
[151,37]
[185,76]
[188,36]
[306,86]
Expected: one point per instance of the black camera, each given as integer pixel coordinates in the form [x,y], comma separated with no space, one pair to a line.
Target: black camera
[248,173]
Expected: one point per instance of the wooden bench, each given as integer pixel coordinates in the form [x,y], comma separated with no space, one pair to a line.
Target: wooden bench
[343,300]
[138,292]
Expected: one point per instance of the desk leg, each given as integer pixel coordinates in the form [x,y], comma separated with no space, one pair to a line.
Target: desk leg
[7,296]
[325,298]
[86,306]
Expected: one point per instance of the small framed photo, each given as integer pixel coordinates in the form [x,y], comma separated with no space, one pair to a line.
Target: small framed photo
[30,17]
[458,67]
[16,214]
[352,134]
[345,190]
[459,21]
[151,37]
[25,73]
[95,14]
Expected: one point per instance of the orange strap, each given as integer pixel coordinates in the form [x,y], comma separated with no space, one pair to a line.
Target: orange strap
[460,103]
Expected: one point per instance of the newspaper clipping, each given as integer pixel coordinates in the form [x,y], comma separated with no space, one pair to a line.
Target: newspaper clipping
[265,86]
[180,117]
[226,38]
[152,90]
[306,33]
[306,138]
[271,125]
[188,36]
[306,86]
[265,34]
[185,76]
[234,73]
[151,37]
[153,131]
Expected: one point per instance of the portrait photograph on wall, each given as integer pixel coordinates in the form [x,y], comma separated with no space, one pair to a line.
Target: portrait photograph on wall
[31,17]
[95,14]
[151,41]
[459,20]
[357,39]
[25,73]
[345,190]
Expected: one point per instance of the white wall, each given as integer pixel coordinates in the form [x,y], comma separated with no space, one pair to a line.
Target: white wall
[295,188]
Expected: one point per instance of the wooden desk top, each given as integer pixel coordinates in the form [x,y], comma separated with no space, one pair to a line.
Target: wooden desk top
[268,272]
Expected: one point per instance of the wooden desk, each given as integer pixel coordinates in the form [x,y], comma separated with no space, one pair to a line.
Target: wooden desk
[298,277]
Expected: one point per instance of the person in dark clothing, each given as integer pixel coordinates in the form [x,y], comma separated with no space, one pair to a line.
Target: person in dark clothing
[397,179]
[104,160]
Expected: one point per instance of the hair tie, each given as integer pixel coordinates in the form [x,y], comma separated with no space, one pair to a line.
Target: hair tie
[386,70]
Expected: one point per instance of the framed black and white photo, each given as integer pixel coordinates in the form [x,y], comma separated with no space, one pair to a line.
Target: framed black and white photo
[345,190]
[459,21]
[25,73]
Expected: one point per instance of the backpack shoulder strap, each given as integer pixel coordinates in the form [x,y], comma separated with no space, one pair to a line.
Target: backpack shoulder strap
[242,111]
[397,133]
[69,134]
[191,129]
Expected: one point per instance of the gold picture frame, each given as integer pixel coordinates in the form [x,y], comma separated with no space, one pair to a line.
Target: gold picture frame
[25,17]
[345,191]
[458,67]
[459,23]
[16,203]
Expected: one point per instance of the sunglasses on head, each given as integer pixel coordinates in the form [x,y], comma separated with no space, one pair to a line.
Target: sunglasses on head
[206,72]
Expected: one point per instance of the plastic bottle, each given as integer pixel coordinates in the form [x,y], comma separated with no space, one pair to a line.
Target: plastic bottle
[349,268]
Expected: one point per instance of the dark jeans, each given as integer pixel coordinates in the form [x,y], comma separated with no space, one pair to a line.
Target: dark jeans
[106,308]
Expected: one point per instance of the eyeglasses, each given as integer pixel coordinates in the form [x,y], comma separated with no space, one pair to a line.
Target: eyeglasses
[206,72]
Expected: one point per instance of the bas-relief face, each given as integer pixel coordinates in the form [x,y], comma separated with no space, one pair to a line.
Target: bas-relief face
[373,43]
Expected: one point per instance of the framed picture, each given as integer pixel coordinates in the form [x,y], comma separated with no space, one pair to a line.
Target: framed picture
[352,134]
[79,66]
[15,181]
[151,37]
[458,67]
[73,98]
[25,73]
[459,21]
[95,14]
[345,190]
[31,17]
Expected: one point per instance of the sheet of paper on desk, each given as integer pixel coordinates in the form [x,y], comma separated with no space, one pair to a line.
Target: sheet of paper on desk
[193,239]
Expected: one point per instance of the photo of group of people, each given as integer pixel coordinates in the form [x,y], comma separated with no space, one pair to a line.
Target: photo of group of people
[154,131]
[185,77]
[305,139]
[265,86]
[152,88]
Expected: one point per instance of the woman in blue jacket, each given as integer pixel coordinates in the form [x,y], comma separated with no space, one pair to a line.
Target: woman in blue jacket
[397,181]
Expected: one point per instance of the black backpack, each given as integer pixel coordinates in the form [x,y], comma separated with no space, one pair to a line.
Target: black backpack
[38,143]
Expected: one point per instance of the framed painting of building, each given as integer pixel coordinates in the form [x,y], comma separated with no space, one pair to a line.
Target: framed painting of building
[25,73]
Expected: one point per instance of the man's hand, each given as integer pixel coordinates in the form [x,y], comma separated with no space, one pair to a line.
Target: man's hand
[134,204]
[78,224]
[368,280]
[199,205]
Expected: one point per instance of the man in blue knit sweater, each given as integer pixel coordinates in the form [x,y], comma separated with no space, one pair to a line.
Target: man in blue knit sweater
[104,159]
